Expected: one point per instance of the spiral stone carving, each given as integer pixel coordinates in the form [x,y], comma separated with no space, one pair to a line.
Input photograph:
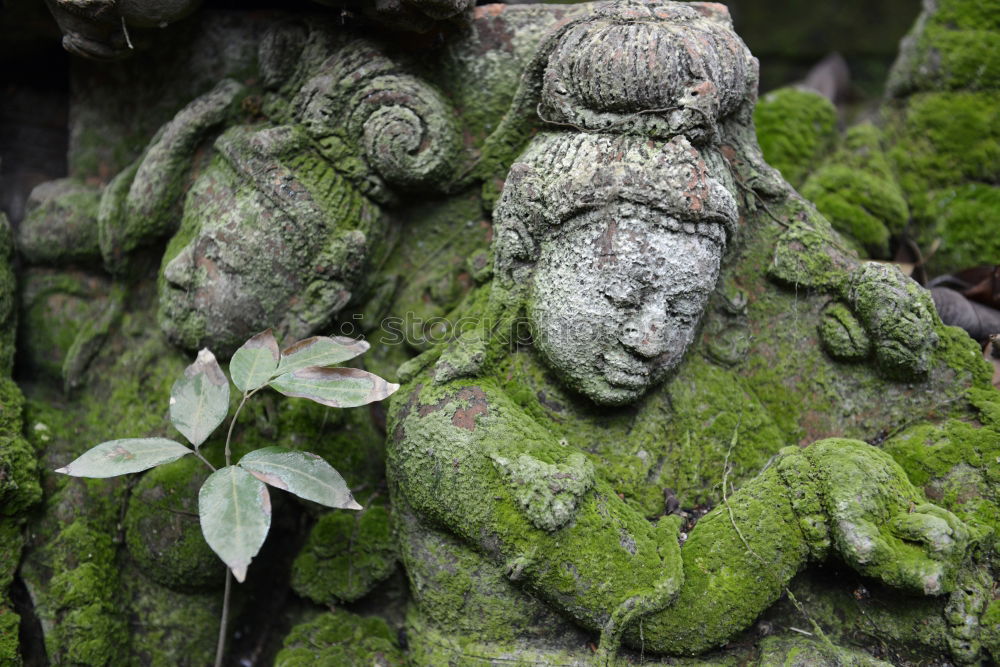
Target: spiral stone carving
[407,134]
[402,128]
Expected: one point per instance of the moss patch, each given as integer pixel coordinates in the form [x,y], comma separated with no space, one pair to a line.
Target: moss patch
[955,45]
[943,139]
[172,628]
[795,129]
[162,528]
[955,462]
[857,191]
[964,218]
[346,555]
[19,488]
[82,613]
[340,638]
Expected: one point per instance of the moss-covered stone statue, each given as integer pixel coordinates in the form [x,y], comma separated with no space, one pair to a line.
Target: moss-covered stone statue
[655,409]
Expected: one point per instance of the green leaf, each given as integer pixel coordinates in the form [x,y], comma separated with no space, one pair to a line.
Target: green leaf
[199,401]
[336,387]
[306,475]
[120,457]
[255,362]
[319,351]
[235,512]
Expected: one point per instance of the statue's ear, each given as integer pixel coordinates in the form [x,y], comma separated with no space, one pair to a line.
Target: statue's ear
[338,269]
[314,309]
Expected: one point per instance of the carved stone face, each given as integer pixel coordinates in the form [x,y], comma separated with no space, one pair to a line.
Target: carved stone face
[220,288]
[615,302]
[257,249]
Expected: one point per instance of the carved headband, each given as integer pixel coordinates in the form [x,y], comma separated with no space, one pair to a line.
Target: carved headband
[563,175]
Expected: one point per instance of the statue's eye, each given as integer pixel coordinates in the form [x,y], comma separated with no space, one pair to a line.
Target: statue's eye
[622,296]
[685,309]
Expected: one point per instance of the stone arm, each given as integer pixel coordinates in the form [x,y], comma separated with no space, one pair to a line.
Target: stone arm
[142,203]
[468,459]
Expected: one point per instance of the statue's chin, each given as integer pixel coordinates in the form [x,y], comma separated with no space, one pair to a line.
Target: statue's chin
[602,392]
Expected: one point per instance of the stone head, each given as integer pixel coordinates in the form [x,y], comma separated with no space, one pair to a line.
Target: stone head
[616,245]
[272,236]
[277,232]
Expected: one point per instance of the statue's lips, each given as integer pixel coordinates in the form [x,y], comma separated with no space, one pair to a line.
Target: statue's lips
[628,373]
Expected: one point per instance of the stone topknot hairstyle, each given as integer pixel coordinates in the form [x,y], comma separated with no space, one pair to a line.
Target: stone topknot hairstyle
[647,67]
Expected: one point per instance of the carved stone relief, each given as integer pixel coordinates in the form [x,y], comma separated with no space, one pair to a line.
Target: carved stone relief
[651,400]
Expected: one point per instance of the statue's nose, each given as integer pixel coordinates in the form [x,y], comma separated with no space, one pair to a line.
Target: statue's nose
[646,333]
[180,270]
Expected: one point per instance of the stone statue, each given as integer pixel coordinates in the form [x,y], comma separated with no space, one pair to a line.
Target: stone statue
[667,412]
[509,455]
[343,125]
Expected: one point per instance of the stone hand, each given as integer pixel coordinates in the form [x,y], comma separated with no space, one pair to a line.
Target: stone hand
[899,317]
[878,522]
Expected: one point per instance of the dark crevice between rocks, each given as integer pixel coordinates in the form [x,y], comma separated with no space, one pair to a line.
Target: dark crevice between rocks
[30,632]
[256,633]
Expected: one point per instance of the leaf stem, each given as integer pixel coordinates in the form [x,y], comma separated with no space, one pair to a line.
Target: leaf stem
[220,647]
[229,435]
[203,459]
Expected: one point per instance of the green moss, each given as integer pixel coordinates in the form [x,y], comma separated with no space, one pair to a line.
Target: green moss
[864,613]
[900,318]
[346,555]
[55,306]
[340,638]
[961,354]
[11,543]
[795,129]
[857,191]
[954,461]
[10,648]
[162,529]
[62,227]
[943,139]
[990,623]
[806,257]
[174,629]
[954,46]
[425,279]
[81,612]
[799,651]
[842,336]
[962,217]
[19,487]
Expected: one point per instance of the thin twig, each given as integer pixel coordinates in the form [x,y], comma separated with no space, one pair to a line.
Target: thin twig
[760,200]
[127,40]
[229,434]
[725,483]
[220,647]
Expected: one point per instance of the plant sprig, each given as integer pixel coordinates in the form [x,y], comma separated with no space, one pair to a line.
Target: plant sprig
[234,507]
